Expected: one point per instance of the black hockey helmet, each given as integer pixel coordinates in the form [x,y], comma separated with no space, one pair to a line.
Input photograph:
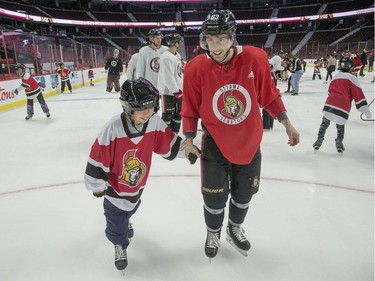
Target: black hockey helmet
[346,63]
[218,22]
[20,69]
[137,95]
[172,38]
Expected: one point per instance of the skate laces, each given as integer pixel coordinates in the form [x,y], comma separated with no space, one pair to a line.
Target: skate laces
[120,253]
[238,232]
[213,240]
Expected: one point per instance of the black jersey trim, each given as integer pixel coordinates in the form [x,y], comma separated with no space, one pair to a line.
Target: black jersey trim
[336,111]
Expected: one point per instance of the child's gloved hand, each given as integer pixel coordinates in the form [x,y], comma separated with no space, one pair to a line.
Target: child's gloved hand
[15,91]
[98,193]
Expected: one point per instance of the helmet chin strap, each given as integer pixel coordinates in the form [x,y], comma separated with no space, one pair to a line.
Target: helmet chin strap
[130,119]
[225,57]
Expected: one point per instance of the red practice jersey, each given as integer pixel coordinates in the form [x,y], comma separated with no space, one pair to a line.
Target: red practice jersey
[227,98]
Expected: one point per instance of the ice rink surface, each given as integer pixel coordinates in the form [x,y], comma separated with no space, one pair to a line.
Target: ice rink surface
[312,220]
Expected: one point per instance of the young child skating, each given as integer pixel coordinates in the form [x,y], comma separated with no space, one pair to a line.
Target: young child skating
[90,74]
[120,159]
[64,76]
[344,88]
[316,71]
[33,90]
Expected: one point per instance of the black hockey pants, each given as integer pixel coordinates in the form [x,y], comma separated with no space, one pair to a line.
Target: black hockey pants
[67,82]
[221,178]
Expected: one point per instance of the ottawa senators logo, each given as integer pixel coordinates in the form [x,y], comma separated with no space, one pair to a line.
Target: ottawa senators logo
[231,104]
[133,170]
[154,64]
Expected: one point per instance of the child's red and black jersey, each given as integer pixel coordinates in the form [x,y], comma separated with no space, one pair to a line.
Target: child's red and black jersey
[120,162]
[31,86]
[343,89]
[64,74]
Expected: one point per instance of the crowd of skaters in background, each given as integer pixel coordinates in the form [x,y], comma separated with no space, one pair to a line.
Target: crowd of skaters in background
[287,61]
[289,68]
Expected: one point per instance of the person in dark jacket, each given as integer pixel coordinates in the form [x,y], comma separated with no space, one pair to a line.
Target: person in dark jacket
[115,69]
[363,58]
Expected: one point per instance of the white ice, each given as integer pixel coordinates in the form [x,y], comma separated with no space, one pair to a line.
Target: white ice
[312,220]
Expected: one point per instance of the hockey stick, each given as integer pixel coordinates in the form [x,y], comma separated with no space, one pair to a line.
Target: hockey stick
[362,115]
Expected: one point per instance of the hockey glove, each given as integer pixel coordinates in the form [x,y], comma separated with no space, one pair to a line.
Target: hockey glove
[42,85]
[16,91]
[178,101]
[192,157]
[99,193]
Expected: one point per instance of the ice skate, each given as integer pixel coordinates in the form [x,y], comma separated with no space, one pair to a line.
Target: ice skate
[235,237]
[48,114]
[121,259]
[130,231]
[28,117]
[212,244]
[340,147]
[317,144]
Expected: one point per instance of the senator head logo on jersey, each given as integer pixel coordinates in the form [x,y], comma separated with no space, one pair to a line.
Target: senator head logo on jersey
[133,170]
[231,104]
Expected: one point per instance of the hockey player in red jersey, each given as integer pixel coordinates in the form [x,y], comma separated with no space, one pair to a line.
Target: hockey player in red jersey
[120,159]
[224,88]
[64,77]
[33,90]
[344,88]
[90,74]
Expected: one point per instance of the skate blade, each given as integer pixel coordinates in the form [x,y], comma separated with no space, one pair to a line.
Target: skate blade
[230,241]
[316,150]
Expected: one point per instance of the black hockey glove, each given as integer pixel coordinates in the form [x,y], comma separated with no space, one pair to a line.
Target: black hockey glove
[178,100]
[192,157]
[41,84]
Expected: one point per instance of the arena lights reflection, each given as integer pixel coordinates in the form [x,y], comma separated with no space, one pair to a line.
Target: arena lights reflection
[32,18]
